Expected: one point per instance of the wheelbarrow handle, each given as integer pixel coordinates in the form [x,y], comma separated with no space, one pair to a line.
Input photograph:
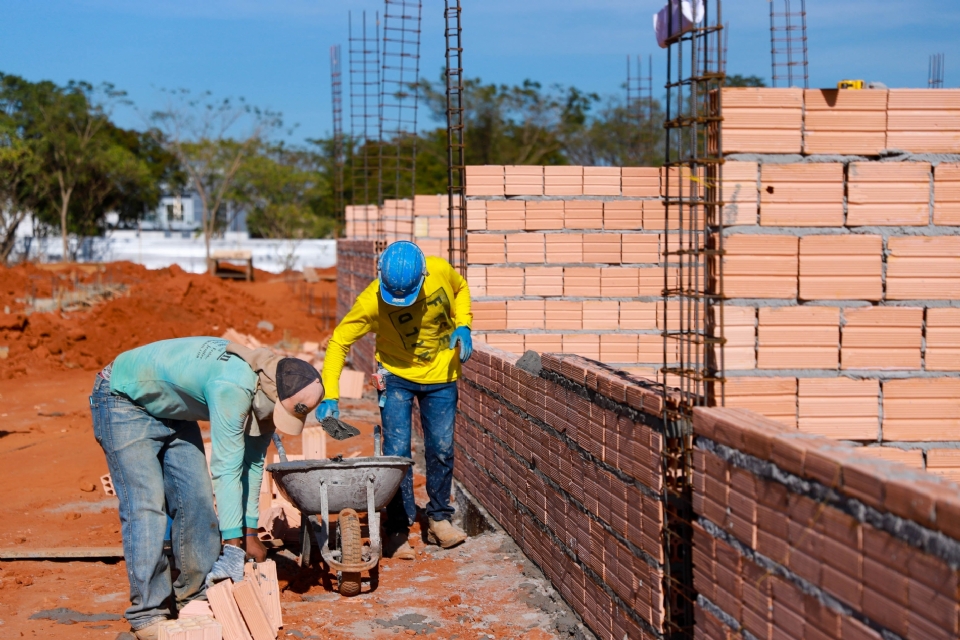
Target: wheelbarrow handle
[279,445]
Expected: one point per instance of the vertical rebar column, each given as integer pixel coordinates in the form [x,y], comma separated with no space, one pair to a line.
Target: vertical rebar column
[398,110]
[336,92]
[364,114]
[788,43]
[456,170]
[935,71]
[692,372]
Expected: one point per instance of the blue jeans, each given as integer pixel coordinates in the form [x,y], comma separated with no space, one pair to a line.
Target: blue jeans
[438,410]
[158,469]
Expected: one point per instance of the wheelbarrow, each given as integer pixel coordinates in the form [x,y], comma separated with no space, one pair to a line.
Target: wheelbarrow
[348,487]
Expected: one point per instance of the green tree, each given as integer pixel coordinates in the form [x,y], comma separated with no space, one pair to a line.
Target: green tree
[737,80]
[211,140]
[285,193]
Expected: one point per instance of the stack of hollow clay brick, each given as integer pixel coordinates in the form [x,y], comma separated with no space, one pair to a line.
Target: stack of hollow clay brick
[798,536]
[568,462]
[842,278]
[249,609]
[568,259]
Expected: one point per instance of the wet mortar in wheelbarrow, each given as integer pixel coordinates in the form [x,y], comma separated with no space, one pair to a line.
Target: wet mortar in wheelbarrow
[346,487]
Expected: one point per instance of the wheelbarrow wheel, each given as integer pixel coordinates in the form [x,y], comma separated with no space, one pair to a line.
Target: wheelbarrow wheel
[351,551]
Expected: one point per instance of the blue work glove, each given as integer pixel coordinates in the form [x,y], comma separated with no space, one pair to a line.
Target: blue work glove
[228,565]
[462,335]
[327,408]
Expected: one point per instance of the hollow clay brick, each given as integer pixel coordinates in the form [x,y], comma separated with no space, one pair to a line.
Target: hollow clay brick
[602,248]
[762,120]
[740,195]
[623,215]
[923,267]
[946,194]
[476,215]
[581,281]
[509,342]
[842,121]
[563,248]
[525,248]
[618,347]
[601,181]
[619,282]
[505,281]
[638,315]
[841,267]
[505,215]
[839,408]
[523,180]
[543,342]
[760,266]
[485,181]
[487,248]
[582,214]
[942,339]
[888,193]
[543,215]
[601,315]
[563,181]
[477,279]
[525,314]
[639,248]
[563,314]
[775,398]
[740,333]
[798,338]
[921,409]
[585,345]
[489,316]
[801,195]
[882,338]
[923,120]
[543,281]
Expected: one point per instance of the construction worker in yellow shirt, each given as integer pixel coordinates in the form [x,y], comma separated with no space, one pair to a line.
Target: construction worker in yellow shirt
[419,309]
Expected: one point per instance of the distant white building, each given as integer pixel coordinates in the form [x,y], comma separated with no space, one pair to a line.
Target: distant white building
[182,213]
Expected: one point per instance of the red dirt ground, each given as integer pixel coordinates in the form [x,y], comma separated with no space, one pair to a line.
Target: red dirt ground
[49,462]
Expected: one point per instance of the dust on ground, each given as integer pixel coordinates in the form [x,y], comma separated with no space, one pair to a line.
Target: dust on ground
[50,494]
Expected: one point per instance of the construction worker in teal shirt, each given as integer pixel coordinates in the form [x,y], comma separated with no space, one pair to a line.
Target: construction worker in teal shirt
[145,408]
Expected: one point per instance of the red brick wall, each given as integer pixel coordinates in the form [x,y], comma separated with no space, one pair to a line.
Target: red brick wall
[568,463]
[356,269]
[798,536]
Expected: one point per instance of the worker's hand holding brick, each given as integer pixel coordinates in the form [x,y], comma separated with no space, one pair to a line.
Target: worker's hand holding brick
[462,335]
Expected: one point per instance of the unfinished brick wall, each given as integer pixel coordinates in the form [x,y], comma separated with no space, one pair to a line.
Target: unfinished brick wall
[798,536]
[568,260]
[356,269]
[568,463]
[842,265]
[423,220]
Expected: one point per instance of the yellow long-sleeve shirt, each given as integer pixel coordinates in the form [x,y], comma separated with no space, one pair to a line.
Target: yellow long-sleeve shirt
[412,342]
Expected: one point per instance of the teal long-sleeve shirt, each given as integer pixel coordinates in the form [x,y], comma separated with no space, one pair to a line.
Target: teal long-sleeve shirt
[196,379]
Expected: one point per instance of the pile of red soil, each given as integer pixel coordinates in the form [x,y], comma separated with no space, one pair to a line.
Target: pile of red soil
[155,305]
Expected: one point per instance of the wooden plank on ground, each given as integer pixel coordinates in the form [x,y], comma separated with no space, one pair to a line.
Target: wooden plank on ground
[62,553]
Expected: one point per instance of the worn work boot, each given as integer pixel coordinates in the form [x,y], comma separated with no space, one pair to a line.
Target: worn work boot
[151,632]
[445,533]
[397,546]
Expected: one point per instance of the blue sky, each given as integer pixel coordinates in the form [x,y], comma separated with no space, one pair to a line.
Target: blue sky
[275,54]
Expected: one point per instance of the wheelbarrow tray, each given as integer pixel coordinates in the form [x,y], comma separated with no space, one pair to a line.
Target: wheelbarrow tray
[346,482]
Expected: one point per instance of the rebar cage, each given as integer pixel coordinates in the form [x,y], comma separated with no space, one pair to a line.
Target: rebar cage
[456,171]
[400,73]
[788,43]
[364,50]
[692,278]
[336,94]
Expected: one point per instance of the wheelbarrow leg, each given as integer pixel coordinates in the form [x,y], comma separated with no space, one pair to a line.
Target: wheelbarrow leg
[306,540]
[373,517]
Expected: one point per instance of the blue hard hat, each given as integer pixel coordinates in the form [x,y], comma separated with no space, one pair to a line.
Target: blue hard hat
[402,270]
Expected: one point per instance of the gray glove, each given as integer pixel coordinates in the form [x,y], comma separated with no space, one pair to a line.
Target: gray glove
[228,565]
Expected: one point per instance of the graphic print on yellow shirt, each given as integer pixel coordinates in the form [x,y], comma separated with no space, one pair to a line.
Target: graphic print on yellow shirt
[425,326]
